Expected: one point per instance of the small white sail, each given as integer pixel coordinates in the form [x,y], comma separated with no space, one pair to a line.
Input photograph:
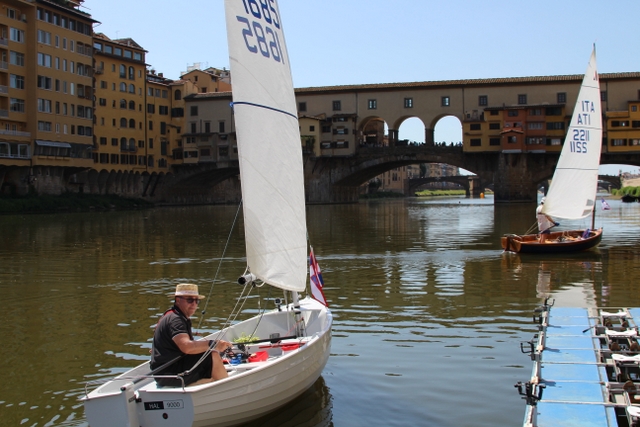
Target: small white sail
[575,181]
[269,147]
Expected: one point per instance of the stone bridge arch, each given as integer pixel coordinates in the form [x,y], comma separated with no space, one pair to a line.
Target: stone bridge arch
[605,182]
[199,184]
[470,183]
[338,180]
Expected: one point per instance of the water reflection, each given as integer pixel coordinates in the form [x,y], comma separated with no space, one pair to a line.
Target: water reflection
[426,304]
[310,409]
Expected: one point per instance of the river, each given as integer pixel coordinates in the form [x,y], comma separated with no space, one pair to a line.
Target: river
[429,312]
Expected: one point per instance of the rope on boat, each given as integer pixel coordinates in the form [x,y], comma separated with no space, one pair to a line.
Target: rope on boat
[224,251]
[533,228]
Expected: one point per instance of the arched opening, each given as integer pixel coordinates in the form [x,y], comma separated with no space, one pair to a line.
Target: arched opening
[374,132]
[412,131]
[448,131]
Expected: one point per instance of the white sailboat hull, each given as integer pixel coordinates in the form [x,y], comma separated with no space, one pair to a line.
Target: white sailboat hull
[251,391]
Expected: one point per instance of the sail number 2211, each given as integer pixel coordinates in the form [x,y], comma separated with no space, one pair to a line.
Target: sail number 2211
[259,34]
[579,141]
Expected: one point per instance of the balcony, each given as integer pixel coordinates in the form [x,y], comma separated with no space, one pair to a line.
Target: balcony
[4,42]
[15,133]
[4,90]
[4,65]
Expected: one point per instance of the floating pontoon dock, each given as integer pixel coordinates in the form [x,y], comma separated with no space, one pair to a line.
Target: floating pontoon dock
[586,368]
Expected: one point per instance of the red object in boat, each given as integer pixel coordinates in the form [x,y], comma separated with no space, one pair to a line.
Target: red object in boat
[289,347]
[260,356]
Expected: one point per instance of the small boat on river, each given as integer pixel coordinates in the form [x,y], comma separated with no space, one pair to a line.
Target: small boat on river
[572,194]
[295,338]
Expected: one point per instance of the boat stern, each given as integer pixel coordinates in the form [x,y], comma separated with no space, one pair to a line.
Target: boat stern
[115,409]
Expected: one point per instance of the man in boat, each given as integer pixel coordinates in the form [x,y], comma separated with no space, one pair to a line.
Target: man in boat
[174,346]
[545,222]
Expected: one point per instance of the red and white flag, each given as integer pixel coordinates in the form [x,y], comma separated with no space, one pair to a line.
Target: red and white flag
[315,279]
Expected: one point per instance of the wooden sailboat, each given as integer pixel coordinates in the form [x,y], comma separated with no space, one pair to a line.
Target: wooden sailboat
[297,335]
[572,193]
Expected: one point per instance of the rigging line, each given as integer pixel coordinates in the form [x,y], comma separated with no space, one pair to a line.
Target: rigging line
[264,309]
[224,251]
[235,310]
[266,107]
[532,228]
[226,324]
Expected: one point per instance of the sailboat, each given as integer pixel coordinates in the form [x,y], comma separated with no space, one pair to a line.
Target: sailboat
[295,338]
[572,193]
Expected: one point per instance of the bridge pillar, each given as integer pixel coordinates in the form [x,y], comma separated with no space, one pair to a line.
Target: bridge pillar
[393,137]
[475,186]
[514,181]
[428,136]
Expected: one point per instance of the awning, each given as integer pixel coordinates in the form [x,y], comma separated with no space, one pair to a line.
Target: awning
[53,144]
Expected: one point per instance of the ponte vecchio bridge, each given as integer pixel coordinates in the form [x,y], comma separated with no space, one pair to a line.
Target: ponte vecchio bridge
[512,130]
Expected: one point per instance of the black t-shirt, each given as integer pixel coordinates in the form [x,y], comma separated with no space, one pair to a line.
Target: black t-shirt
[164,349]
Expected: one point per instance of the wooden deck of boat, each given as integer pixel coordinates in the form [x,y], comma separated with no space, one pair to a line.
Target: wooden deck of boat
[574,371]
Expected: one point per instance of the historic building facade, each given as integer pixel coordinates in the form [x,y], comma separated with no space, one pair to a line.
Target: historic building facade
[46,92]
[120,110]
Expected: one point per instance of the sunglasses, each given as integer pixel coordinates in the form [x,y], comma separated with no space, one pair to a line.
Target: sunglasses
[191,300]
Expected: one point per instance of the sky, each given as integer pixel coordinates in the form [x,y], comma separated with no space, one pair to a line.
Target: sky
[345,42]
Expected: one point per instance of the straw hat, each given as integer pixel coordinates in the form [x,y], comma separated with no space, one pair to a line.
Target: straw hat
[187,290]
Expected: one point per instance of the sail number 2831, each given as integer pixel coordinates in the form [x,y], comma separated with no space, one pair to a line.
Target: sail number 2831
[262,25]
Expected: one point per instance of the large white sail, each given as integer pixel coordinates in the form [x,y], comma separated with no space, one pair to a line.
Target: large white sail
[575,181]
[269,146]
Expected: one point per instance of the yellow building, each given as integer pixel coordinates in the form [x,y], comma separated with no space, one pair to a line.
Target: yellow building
[46,88]
[623,129]
[158,121]
[120,127]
